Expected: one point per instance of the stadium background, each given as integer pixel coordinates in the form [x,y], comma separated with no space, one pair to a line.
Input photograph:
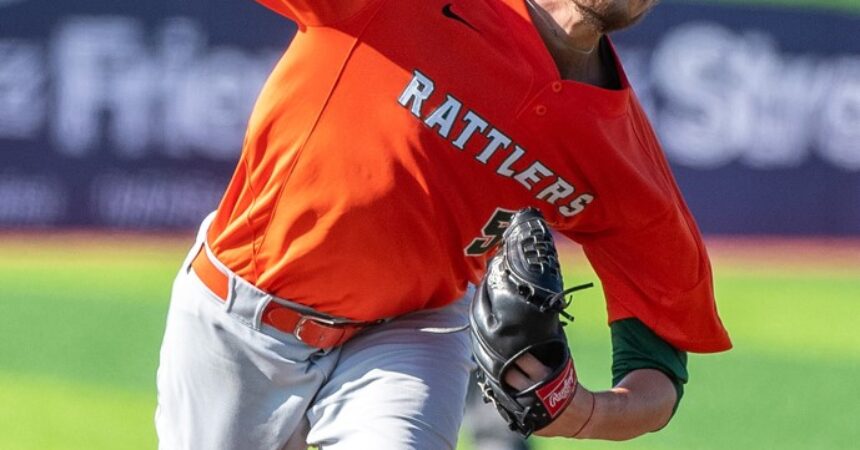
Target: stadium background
[120,123]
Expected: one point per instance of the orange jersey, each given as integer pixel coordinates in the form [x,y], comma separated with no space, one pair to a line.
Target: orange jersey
[394,139]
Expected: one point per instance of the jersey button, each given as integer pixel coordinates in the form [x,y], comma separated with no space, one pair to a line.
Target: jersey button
[556,86]
[540,110]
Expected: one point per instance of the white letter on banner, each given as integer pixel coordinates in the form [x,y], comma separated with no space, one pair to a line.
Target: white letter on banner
[704,111]
[102,68]
[22,79]
[839,136]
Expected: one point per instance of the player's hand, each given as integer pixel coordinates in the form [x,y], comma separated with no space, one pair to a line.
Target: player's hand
[526,372]
[516,315]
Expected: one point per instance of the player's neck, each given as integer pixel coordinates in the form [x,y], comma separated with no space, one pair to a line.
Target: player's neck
[572,41]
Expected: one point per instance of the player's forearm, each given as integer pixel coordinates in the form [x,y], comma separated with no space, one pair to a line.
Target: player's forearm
[641,403]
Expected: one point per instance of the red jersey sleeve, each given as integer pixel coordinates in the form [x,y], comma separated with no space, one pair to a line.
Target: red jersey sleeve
[660,273]
[316,12]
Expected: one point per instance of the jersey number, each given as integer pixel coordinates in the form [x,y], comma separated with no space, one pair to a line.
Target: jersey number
[492,232]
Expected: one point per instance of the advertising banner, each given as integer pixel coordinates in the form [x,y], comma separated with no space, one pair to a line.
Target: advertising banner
[131,114]
[758,110]
[126,114]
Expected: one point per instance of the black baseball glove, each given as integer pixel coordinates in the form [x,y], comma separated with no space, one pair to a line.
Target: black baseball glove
[516,311]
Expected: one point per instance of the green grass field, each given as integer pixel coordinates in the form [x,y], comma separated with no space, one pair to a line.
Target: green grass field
[83,318]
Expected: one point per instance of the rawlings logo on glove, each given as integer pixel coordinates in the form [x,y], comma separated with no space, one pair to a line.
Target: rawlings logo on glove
[557,394]
[516,310]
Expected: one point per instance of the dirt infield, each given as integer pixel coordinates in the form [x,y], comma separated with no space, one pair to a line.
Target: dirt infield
[765,253]
[88,240]
[838,254]
[748,252]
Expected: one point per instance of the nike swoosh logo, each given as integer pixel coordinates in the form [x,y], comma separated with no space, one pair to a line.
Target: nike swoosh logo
[449,13]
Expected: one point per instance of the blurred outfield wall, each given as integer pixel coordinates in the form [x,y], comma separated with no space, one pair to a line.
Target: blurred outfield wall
[131,114]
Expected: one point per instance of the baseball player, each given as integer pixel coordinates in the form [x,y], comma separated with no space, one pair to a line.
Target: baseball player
[326,300]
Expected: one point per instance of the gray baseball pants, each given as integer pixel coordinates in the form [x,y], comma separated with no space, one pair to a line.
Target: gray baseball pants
[226,381]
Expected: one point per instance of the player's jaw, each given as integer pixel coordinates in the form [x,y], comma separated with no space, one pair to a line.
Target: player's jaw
[612,15]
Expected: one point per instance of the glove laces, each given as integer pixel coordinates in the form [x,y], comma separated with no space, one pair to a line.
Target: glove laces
[558,302]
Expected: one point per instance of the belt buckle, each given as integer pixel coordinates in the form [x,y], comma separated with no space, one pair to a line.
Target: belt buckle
[297,332]
[322,324]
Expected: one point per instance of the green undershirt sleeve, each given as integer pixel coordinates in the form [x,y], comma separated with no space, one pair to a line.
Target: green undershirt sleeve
[635,346]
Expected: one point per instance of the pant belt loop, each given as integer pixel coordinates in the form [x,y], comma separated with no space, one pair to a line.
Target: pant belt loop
[231,292]
[199,240]
[257,321]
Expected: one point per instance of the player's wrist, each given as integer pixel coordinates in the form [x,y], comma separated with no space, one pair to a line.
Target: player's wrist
[575,420]
[590,399]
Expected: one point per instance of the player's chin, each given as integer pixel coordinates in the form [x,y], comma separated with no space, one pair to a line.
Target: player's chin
[613,15]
